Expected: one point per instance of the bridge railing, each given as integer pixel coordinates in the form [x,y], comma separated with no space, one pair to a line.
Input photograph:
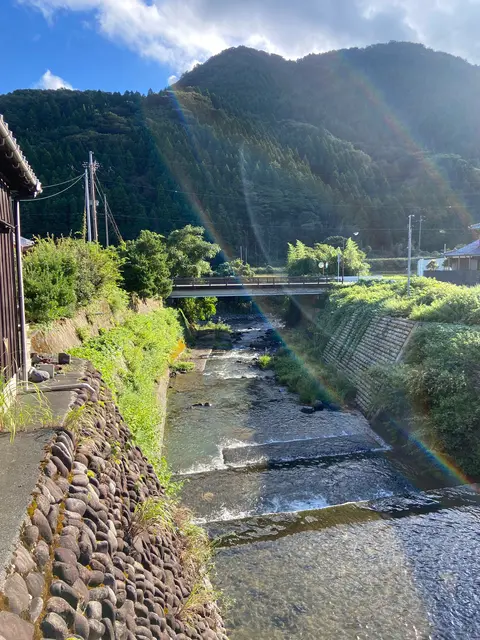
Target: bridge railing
[264,281]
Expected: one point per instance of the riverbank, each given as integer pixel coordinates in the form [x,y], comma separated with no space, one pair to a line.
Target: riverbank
[413,359]
[299,504]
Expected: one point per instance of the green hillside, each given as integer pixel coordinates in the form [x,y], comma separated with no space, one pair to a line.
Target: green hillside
[262,151]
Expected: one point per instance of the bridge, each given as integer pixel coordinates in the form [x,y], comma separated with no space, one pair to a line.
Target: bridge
[249,287]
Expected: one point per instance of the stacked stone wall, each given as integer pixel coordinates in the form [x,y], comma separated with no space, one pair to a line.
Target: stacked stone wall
[358,344]
[79,571]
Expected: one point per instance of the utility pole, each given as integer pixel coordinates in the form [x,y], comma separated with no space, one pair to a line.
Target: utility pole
[92,167]
[106,219]
[409,251]
[422,219]
[87,208]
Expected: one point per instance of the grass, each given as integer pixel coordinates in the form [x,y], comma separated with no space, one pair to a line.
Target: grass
[182,366]
[132,358]
[17,412]
[265,362]
[300,368]
[151,516]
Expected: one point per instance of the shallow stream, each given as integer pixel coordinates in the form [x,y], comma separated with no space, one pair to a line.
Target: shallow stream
[324,529]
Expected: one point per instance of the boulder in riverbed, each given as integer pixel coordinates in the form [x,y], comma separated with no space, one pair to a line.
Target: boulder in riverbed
[307,410]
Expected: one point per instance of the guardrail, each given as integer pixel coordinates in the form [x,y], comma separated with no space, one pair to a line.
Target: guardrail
[233,281]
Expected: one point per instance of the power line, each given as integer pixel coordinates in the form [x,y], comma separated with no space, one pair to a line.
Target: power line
[54,195]
[108,213]
[59,184]
[358,205]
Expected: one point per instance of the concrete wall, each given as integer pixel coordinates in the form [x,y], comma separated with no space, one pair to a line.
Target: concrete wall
[65,334]
[358,344]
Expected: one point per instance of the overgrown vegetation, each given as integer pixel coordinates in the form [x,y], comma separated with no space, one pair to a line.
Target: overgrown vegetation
[322,259]
[437,388]
[132,357]
[61,276]
[300,368]
[430,300]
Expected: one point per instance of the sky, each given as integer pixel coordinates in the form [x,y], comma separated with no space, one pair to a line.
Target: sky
[119,45]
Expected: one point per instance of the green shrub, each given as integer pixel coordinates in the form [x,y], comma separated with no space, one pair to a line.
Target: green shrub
[132,357]
[63,275]
[430,301]
[182,365]
[265,361]
[197,309]
[49,272]
[295,375]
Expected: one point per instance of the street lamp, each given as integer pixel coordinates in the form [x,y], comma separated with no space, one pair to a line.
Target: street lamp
[355,233]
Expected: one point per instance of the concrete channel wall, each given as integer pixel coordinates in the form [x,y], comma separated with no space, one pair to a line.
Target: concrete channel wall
[358,344]
[78,562]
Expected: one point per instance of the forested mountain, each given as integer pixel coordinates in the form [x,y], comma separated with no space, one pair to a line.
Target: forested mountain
[262,150]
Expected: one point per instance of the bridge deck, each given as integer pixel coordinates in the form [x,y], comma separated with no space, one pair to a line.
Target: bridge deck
[233,287]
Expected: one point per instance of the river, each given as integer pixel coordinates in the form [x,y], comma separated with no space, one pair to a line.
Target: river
[325,529]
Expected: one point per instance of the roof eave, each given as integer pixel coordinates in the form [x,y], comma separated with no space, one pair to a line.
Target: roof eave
[27,182]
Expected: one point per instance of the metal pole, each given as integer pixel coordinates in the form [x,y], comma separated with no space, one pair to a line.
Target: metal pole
[338,267]
[21,294]
[106,220]
[87,208]
[409,252]
[92,196]
[343,261]
[420,234]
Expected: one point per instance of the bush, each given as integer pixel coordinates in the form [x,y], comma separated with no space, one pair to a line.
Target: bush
[197,309]
[438,384]
[430,301]
[265,362]
[50,273]
[235,268]
[60,276]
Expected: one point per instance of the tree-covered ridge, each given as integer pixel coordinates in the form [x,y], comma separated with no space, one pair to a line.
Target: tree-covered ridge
[263,151]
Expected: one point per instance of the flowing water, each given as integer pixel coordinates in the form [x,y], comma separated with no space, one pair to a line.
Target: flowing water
[324,530]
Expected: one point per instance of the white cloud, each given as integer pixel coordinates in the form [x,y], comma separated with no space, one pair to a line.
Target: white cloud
[172,79]
[179,32]
[51,81]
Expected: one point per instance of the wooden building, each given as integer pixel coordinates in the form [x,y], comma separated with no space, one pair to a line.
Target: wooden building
[17,181]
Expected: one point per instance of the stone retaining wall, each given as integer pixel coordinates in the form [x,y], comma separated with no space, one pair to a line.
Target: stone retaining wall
[358,344]
[81,569]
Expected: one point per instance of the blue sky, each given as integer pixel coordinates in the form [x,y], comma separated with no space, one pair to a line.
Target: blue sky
[117,45]
[74,50]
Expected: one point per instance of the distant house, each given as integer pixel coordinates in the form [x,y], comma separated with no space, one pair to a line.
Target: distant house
[17,181]
[467,257]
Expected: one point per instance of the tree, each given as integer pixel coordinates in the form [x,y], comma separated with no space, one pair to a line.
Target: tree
[355,259]
[145,268]
[196,309]
[235,268]
[432,265]
[189,253]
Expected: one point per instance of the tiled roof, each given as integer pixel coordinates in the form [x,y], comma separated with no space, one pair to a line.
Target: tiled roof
[472,249]
[14,168]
